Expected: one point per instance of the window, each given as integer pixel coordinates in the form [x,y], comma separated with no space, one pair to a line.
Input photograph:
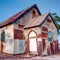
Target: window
[49,36]
[3,36]
[33,13]
[44,28]
[48,20]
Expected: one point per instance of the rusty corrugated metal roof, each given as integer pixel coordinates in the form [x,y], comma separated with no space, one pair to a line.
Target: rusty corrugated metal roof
[18,15]
[11,19]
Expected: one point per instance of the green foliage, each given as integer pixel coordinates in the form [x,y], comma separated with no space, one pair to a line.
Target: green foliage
[56,17]
[56,20]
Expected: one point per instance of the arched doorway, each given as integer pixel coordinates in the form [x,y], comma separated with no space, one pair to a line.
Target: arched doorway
[32,42]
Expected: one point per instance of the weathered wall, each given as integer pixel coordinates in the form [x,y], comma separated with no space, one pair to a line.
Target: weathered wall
[8,45]
[49,26]
[43,35]
[13,42]
[19,41]
[19,46]
[9,32]
[26,18]
[23,21]
[30,15]
[39,39]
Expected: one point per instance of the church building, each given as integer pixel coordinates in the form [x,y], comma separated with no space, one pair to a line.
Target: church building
[29,32]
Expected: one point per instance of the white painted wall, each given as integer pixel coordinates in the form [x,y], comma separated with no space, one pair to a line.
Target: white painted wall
[8,46]
[39,39]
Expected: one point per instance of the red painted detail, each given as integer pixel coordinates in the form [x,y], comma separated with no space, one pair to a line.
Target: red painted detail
[45,35]
[44,44]
[44,28]
[18,34]
[39,35]
[56,46]
[52,48]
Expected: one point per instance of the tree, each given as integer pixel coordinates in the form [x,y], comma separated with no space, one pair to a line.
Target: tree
[57,21]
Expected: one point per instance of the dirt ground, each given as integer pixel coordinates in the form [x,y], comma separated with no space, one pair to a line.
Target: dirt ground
[4,56]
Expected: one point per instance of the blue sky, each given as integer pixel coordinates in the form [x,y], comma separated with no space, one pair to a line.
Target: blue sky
[10,7]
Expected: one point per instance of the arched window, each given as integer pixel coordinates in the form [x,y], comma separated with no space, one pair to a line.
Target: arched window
[48,20]
[49,36]
[3,36]
[33,13]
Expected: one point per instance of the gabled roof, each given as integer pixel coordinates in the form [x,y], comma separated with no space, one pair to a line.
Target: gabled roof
[18,15]
[36,21]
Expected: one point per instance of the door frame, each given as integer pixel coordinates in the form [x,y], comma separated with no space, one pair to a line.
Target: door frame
[36,40]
